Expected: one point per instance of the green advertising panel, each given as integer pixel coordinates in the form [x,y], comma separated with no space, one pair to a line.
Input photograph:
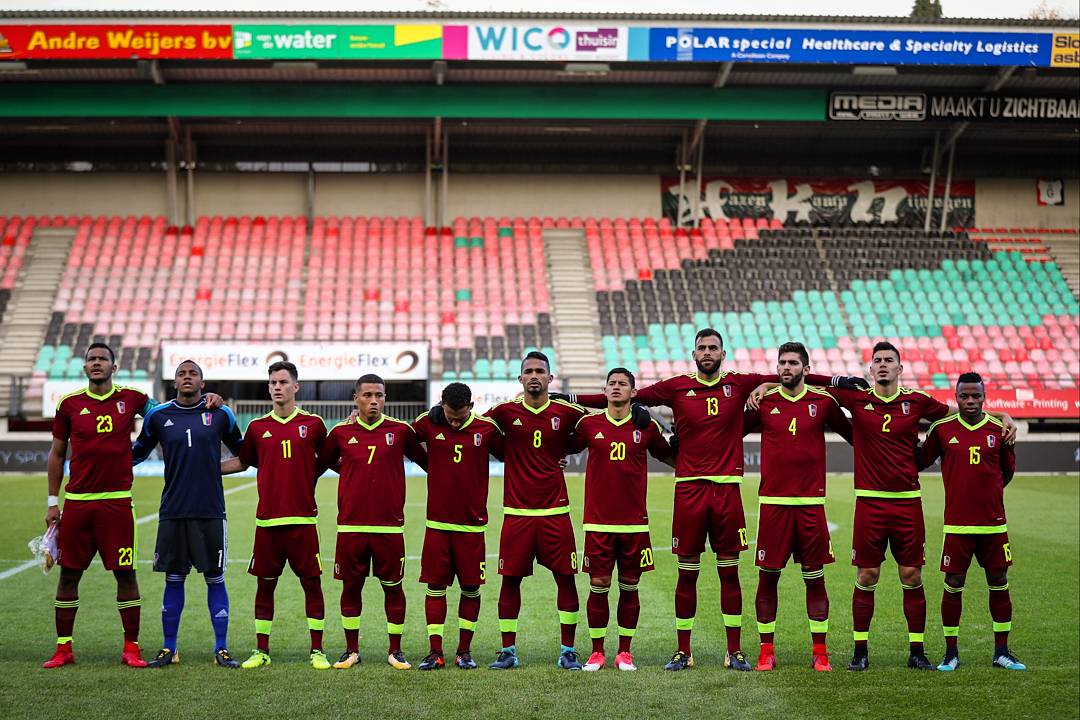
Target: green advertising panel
[337,42]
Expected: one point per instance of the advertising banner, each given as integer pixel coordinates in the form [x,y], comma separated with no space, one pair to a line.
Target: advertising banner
[485,393]
[858,47]
[535,41]
[116,42]
[337,42]
[313,360]
[920,107]
[821,201]
[53,390]
[1025,403]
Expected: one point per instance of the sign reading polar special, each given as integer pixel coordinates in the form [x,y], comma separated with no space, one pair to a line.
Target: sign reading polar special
[862,47]
[521,41]
[313,360]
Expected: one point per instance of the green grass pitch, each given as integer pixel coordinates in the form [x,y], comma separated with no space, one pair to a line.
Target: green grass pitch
[1043,528]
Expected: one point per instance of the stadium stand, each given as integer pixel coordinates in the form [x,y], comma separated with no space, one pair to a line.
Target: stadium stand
[15,234]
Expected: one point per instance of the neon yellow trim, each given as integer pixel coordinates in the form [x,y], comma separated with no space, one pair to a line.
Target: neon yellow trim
[819,626]
[913,637]
[127,604]
[263,627]
[732,620]
[975,529]
[316,623]
[292,520]
[951,631]
[712,478]
[435,593]
[372,426]
[436,629]
[599,590]
[542,512]
[380,529]
[866,588]
[627,632]
[709,383]
[452,527]
[800,501]
[976,426]
[568,617]
[998,587]
[106,396]
[536,411]
[862,635]
[684,623]
[902,494]
[508,626]
[596,633]
[1003,626]
[617,423]
[600,527]
[468,422]
[62,640]
[874,392]
[953,590]
[945,419]
[793,398]
[464,624]
[284,421]
[769,627]
[113,495]
[394,628]
[66,603]
[350,623]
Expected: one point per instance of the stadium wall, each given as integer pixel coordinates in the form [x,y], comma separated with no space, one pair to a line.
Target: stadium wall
[555,195]
[83,194]
[1001,202]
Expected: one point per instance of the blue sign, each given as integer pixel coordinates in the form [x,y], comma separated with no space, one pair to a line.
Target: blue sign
[852,47]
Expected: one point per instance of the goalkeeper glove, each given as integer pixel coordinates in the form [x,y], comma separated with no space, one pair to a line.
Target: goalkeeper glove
[849,382]
[640,415]
[565,397]
[436,415]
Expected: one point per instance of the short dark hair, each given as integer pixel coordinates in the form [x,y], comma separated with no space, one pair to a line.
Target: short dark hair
[887,346]
[706,332]
[536,355]
[369,379]
[103,346]
[287,367]
[193,363]
[456,395]
[970,377]
[794,347]
[622,371]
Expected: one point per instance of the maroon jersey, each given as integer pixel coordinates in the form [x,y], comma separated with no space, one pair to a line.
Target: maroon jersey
[886,431]
[793,443]
[285,451]
[708,421]
[617,472]
[457,478]
[99,429]
[535,441]
[975,465]
[371,489]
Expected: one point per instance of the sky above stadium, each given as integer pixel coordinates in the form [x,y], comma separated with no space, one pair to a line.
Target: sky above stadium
[874,8]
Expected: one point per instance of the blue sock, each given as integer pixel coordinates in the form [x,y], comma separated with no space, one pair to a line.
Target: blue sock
[172,607]
[217,599]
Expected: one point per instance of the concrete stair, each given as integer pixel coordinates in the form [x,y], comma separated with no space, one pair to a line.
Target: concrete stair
[1066,252]
[573,303]
[30,308]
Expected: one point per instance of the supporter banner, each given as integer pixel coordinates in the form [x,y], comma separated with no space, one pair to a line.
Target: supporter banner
[822,201]
[920,107]
[115,42]
[53,390]
[485,393]
[529,41]
[313,360]
[1026,403]
[339,42]
[859,47]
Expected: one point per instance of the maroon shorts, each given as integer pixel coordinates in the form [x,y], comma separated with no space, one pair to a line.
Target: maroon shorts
[798,531]
[92,527]
[992,551]
[631,550]
[296,544]
[548,539]
[361,553]
[707,509]
[448,554]
[898,524]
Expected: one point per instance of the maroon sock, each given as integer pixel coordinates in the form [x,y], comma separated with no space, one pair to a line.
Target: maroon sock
[765,602]
[315,609]
[435,614]
[567,603]
[686,602]
[1001,614]
[65,609]
[352,593]
[817,601]
[394,604]
[509,608]
[264,609]
[130,611]
[730,601]
[862,611]
[628,611]
[598,614]
[952,605]
[915,612]
[468,614]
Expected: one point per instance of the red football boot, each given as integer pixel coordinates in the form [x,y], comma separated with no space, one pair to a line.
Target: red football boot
[62,656]
[821,659]
[766,658]
[132,655]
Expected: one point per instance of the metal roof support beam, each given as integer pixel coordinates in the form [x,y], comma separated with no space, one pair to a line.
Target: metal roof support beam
[996,83]
[948,189]
[934,157]
[699,127]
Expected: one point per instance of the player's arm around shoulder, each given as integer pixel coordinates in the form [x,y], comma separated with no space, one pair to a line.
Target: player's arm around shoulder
[835,418]
[930,450]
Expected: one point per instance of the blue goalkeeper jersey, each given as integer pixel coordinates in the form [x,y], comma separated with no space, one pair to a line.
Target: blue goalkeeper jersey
[190,439]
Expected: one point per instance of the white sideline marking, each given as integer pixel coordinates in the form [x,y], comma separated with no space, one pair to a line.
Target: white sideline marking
[138,521]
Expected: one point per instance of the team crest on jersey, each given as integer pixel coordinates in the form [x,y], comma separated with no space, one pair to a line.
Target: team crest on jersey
[813,409]
[554,423]
[906,407]
[303,431]
[120,406]
[637,436]
[727,391]
[989,441]
[477,439]
[389,438]
[207,419]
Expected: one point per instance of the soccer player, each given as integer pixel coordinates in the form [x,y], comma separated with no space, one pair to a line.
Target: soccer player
[370,452]
[791,520]
[888,505]
[284,445]
[98,513]
[536,522]
[191,525]
[975,468]
[616,516]
[458,446]
[708,408]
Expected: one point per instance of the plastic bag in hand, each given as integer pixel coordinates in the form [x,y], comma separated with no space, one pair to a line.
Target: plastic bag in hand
[45,548]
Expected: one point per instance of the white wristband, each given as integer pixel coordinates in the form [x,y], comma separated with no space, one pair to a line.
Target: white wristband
[54,501]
